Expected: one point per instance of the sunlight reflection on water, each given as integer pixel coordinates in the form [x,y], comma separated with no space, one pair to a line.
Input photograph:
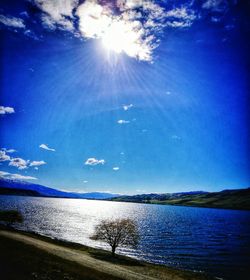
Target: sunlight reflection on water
[212,240]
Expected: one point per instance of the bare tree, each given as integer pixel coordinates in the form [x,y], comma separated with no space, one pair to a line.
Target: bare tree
[119,232]
[10,217]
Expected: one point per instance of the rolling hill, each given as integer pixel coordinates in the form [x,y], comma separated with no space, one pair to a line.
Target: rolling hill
[230,199]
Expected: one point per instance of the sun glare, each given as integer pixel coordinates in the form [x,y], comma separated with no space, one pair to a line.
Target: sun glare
[113,39]
[121,37]
[118,33]
[126,36]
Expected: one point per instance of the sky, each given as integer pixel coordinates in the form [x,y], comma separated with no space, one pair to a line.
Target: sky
[125,96]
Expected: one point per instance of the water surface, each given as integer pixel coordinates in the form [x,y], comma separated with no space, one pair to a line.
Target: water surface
[202,239]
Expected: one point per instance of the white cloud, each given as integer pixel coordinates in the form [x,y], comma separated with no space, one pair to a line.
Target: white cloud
[12,21]
[94,161]
[37,163]
[6,110]
[216,5]
[123,121]
[3,173]
[149,7]
[176,137]
[21,177]
[177,24]
[10,151]
[93,19]
[116,168]
[180,13]
[141,191]
[45,147]
[7,175]
[57,13]
[124,31]
[127,107]
[132,27]
[129,4]
[4,156]
[180,17]
[48,22]
[31,34]
[19,163]
[85,181]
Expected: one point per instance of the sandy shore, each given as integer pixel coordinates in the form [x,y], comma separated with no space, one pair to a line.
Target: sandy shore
[97,263]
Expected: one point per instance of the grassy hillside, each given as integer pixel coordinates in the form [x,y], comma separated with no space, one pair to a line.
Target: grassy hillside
[231,199]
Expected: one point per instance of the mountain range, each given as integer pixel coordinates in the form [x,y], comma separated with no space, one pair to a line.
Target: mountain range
[18,187]
[228,199]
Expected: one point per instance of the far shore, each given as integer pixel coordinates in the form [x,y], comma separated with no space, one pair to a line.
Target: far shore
[138,202]
[233,199]
[25,255]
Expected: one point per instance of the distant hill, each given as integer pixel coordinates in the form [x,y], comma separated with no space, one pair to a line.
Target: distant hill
[22,192]
[17,187]
[228,199]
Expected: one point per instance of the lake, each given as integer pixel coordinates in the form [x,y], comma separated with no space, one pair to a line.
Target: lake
[215,241]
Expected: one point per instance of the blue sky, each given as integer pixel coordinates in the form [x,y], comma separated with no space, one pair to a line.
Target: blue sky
[125,96]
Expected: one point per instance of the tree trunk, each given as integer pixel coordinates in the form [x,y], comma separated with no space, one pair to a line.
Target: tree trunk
[113,251]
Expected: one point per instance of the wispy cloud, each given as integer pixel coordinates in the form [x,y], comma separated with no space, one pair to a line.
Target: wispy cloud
[31,34]
[216,5]
[12,21]
[10,151]
[6,110]
[4,156]
[94,161]
[19,163]
[46,147]
[141,191]
[116,168]
[11,176]
[123,121]
[57,14]
[180,17]
[37,163]
[127,107]
[176,137]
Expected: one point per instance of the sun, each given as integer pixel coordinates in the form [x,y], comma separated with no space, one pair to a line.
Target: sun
[114,38]
[121,36]
[119,33]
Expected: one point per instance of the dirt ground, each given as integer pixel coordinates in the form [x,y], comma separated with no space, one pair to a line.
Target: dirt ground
[29,257]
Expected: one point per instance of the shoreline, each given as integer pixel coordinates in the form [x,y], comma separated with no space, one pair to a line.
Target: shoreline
[135,202]
[179,205]
[97,260]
